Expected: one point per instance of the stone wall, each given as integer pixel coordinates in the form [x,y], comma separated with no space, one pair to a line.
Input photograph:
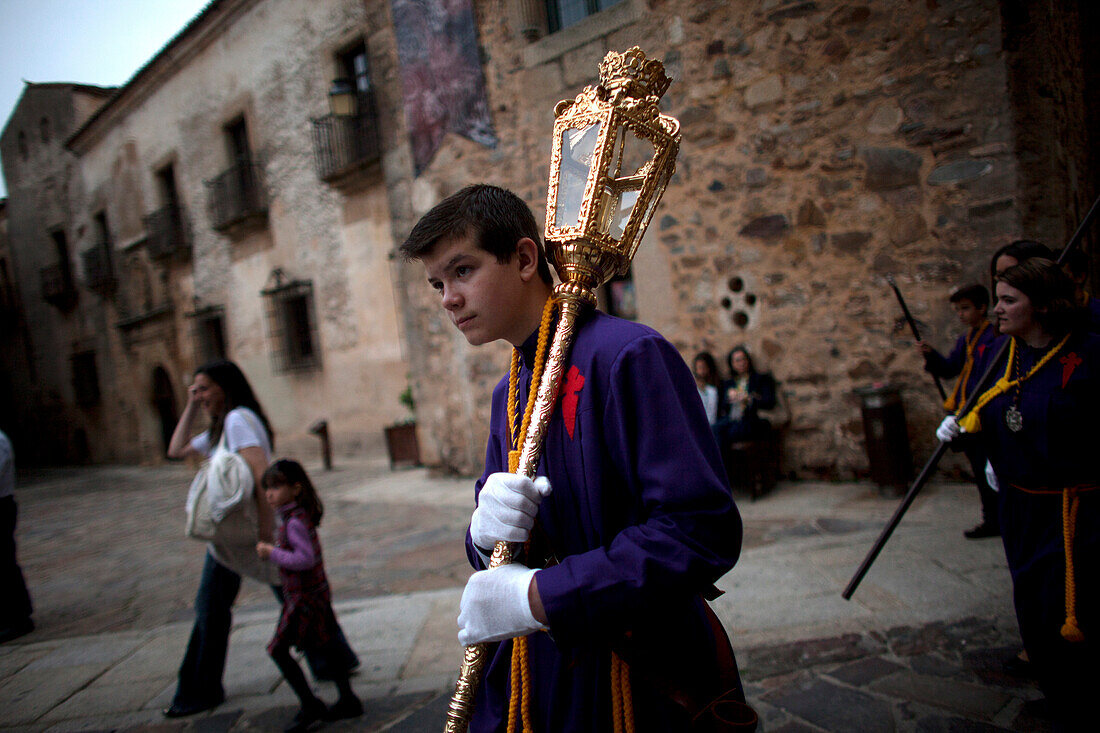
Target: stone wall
[45,420]
[827,145]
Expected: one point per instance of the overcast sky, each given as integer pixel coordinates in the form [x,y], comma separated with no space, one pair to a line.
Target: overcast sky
[101,42]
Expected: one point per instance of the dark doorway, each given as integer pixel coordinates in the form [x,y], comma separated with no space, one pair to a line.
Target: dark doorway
[164,402]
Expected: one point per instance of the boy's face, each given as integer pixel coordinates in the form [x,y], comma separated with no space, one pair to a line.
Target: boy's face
[481,295]
[969,314]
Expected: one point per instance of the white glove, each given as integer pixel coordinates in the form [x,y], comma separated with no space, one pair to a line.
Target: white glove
[494,605]
[990,477]
[506,508]
[949,429]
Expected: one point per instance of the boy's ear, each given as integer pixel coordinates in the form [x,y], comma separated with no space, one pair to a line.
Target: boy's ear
[527,256]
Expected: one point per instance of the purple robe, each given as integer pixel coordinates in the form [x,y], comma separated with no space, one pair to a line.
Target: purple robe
[641,522]
[1054,449]
[941,366]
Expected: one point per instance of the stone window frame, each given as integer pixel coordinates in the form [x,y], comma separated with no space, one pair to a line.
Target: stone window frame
[292,325]
[544,47]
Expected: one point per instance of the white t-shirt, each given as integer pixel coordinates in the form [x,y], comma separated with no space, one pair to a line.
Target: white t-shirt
[709,394]
[243,429]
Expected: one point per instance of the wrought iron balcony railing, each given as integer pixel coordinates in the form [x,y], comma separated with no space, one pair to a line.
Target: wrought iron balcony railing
[344,143]
[57,286]
[99,275]
[169,234]
[237,196]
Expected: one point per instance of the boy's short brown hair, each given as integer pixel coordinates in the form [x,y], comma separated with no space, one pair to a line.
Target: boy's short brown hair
[494,216]
[975,293]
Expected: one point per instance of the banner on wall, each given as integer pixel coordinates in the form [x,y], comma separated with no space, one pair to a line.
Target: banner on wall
[444,87]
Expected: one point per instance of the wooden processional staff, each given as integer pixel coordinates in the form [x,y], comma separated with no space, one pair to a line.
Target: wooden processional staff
[613,155]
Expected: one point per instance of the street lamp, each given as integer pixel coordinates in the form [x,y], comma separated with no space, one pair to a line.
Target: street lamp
[342,99]
[613,155]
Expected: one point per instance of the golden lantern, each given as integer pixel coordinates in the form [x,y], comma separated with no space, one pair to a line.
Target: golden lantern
[613,155]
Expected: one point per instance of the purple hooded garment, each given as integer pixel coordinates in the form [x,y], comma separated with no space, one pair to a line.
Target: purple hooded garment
[640,524]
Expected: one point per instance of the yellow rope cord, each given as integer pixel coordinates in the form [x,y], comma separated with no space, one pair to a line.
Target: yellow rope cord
[970,422]
[519,700]
[616,694]
[517,673]
[958,395]
[1070,630]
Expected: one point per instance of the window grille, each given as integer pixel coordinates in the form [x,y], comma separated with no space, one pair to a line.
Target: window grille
[292,325]
[564,13]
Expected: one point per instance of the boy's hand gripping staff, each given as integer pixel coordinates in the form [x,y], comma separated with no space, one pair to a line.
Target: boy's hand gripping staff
[930,466]
[913,328]
[613,155]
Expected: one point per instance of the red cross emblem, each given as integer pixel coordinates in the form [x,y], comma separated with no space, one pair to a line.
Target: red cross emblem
[574,381]
[1069,362]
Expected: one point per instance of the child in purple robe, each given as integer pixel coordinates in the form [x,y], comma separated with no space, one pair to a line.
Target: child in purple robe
[971,305]
[628,524]
[307,621]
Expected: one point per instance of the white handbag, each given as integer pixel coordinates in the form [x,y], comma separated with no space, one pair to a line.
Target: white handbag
[221,510]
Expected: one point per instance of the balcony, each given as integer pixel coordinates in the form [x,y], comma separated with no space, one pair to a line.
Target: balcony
[169,234]
[57,286]
[237,198]
[344,144]
[99,275]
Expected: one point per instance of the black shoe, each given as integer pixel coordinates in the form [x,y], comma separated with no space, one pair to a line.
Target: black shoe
[345,707]
[307,716]
[179,710]
[20,628]
[983,530]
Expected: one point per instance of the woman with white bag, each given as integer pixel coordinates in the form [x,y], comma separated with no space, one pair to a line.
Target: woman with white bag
[239,426]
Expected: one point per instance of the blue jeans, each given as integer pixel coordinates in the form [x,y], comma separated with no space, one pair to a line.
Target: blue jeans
[200,674]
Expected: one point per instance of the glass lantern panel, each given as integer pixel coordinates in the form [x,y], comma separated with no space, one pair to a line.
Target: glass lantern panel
[620,205]
[632,153]
[578,148]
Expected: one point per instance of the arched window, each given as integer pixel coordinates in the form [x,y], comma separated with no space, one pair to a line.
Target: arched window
[44,129]
[24,151]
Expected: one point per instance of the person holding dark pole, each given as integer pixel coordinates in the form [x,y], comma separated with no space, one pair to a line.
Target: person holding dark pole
[971,304]
[1036,422]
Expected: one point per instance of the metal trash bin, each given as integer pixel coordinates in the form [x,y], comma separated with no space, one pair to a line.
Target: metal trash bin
[886,435]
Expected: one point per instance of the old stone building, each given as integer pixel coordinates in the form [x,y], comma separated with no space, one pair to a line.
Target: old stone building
[826,146]
[215,205]
[48,390]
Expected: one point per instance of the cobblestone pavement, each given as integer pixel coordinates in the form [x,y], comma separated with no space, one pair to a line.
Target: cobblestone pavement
[103,548]
[920,647]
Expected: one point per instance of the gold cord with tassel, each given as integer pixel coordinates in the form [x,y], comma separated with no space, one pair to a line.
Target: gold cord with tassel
[519,701]
[970,422]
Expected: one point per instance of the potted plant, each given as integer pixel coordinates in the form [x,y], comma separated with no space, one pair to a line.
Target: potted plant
[401,442]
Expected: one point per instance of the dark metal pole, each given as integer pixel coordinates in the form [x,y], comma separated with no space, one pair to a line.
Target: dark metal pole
[913,328]
[930,466]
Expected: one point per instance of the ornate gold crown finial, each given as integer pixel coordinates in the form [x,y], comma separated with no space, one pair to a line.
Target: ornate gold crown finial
[633,73]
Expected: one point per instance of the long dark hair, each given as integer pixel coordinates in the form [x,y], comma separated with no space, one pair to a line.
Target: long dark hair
[288,472]
[748,357]
[238,393]
[712,367]
[1021,250]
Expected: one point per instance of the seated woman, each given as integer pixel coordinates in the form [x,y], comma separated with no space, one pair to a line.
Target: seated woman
[739,400]
[705,369]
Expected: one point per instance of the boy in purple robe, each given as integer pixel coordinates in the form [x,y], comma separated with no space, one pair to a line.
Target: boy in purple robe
[971,305]
[629,523]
